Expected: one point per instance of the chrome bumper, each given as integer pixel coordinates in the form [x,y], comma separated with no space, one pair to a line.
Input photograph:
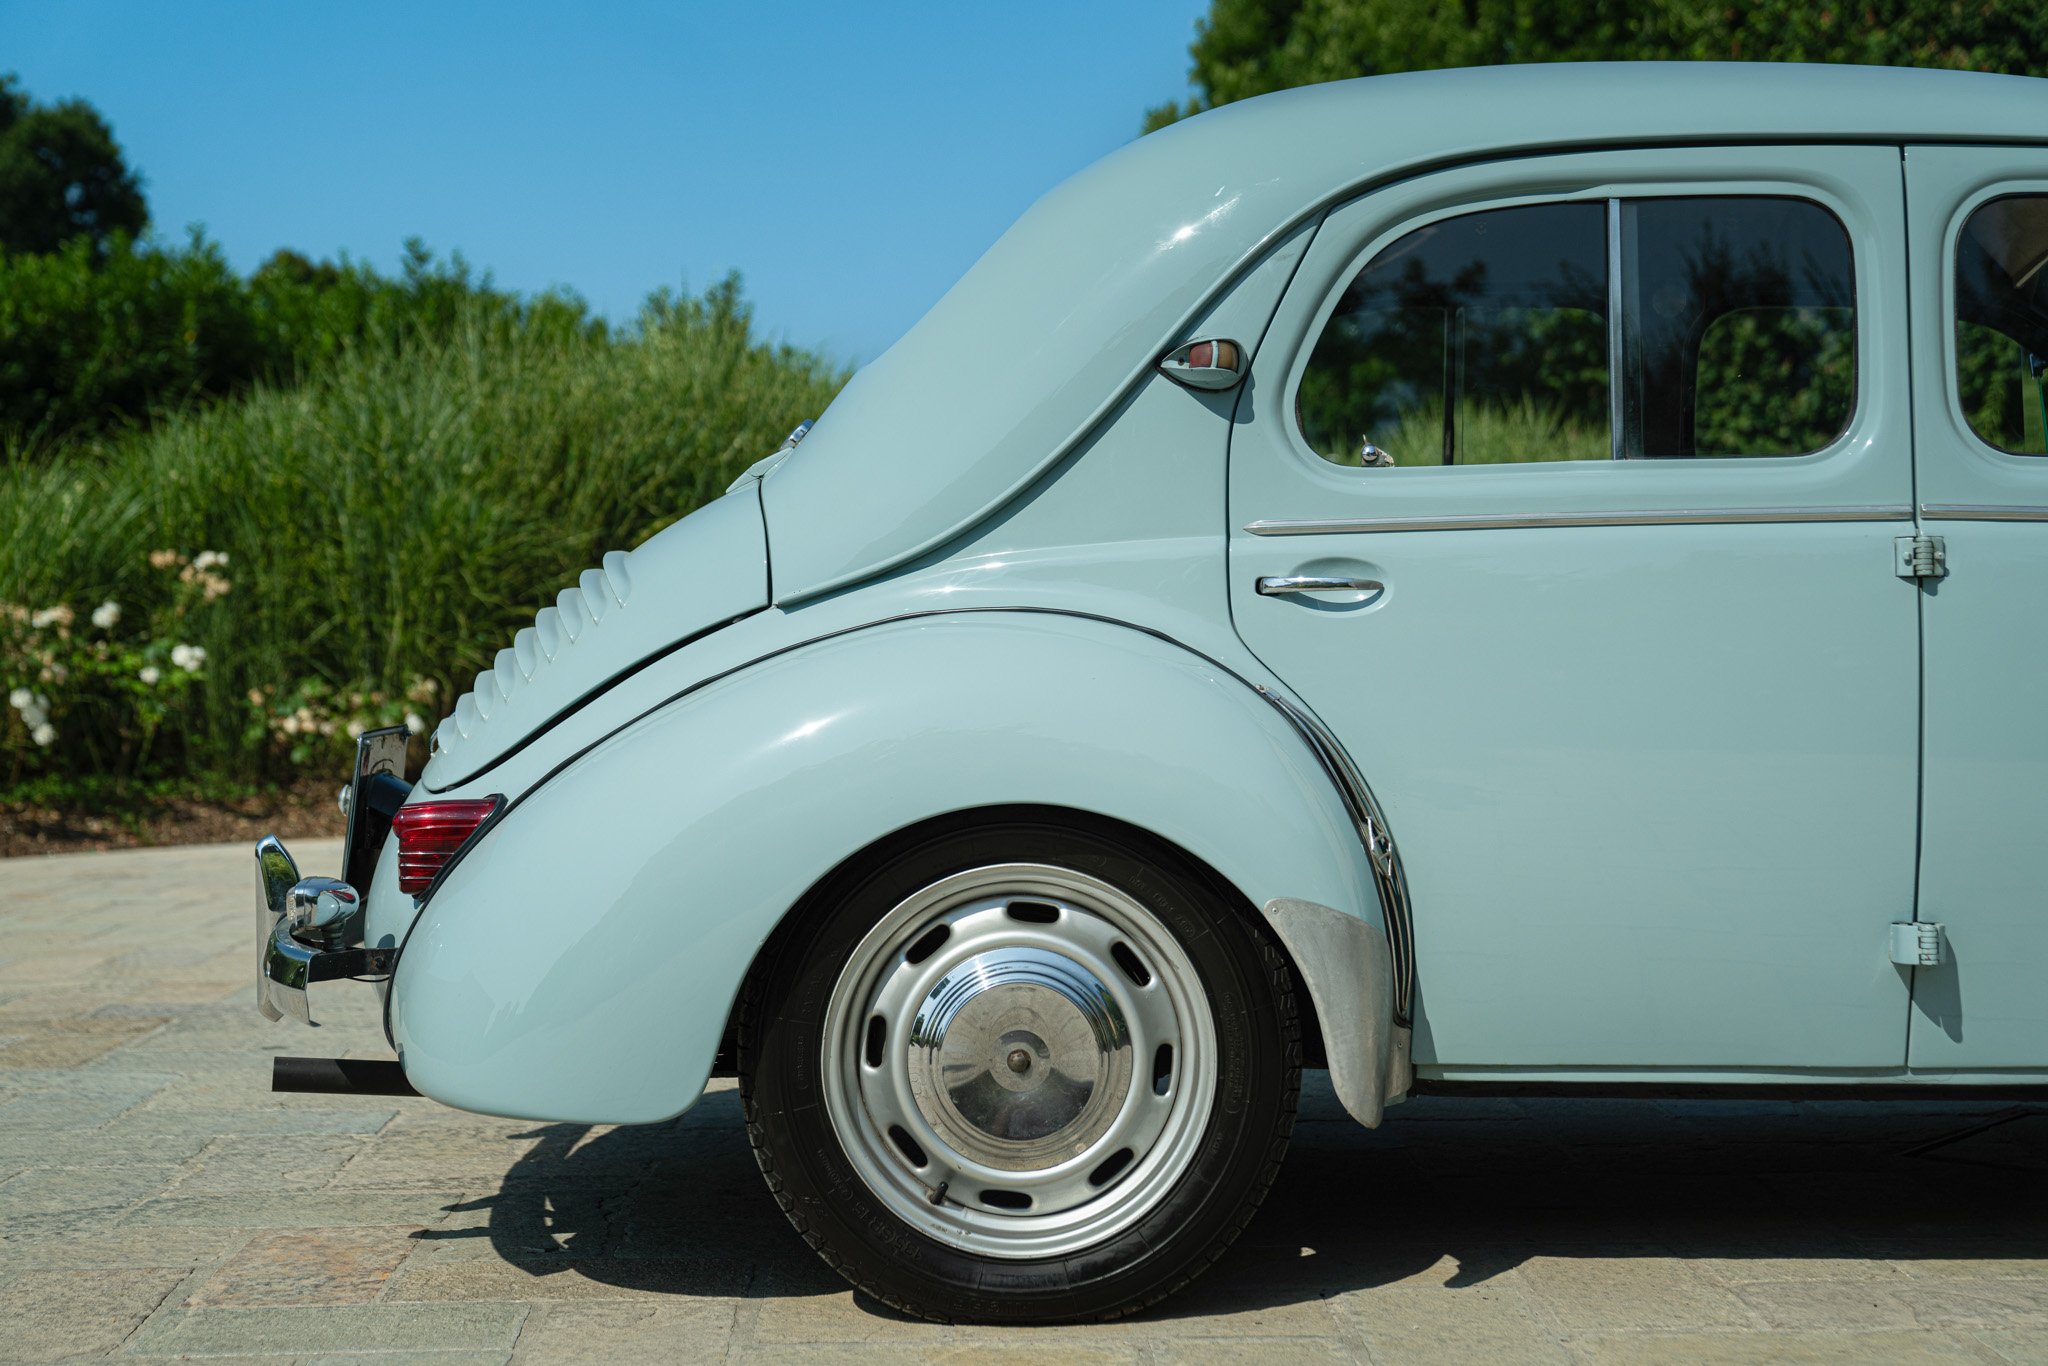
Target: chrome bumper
[299,922]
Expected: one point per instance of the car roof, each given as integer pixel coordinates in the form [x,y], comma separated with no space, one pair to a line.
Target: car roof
[1632,103]
[1048,330]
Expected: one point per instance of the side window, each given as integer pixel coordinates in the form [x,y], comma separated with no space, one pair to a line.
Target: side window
[1496,337]
[2002,323]
[1738,327]
[1472,341]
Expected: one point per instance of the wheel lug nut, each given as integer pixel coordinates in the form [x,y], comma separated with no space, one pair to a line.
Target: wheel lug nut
[1020,1060]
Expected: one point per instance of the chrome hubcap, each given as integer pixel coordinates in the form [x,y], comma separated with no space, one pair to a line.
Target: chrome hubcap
[1020,1057]
[1019,1060]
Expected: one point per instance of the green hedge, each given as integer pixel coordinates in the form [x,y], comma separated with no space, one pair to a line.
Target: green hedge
[386,525]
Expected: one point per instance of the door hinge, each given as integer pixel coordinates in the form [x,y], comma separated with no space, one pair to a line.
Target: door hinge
[1919,944]
[1922,557]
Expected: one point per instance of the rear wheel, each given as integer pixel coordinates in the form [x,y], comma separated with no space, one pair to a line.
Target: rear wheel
[1021,1072]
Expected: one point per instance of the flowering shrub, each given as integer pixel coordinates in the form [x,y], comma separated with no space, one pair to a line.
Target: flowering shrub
[432,490]
[94,697]
[315,717]
[100,698]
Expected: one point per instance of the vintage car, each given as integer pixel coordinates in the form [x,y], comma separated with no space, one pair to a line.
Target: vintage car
[1524,579]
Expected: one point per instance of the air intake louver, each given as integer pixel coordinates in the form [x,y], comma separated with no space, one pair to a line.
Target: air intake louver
[579,612]
[708,569]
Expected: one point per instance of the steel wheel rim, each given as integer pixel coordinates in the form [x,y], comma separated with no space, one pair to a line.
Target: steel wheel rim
[1045,1067]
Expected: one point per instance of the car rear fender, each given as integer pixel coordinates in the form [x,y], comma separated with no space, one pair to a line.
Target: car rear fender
[581,961]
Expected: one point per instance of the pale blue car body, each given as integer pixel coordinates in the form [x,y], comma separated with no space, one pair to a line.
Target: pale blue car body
[1012,564]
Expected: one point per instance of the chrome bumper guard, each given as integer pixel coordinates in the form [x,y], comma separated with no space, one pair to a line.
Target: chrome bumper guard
[299,925]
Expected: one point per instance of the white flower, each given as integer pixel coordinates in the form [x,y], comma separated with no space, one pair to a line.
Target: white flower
[20,699]
[290,725]
[60,615]
[188,657]
[356,729]
[150,674]
[35,713]
[413,724]
[44,735]
[106,615]
[207,559]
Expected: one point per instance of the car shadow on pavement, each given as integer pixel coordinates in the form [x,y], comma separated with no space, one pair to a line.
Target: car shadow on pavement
[676,1208]
[1448,1193]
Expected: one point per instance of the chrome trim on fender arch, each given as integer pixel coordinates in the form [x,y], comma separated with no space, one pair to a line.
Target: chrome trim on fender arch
[1487,521]
[1983,512]
[1371,824]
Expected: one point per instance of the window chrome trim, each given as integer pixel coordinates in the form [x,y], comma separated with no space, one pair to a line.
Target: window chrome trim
[1615,449]
[1488,521]
[1983,512]
[1620,234]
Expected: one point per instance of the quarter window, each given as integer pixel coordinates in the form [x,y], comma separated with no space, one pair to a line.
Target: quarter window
[1652,328]
[2002,322]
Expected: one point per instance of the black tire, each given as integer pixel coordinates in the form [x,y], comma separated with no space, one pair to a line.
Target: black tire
[1258,1080]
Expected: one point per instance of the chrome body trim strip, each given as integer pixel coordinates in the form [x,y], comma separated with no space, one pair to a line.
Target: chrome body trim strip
[1488,521]
[1371,825]
[1983,512]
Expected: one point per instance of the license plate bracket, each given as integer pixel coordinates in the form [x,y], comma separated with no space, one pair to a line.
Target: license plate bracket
[376,789]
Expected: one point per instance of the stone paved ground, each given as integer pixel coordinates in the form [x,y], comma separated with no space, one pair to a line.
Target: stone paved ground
[157,1201]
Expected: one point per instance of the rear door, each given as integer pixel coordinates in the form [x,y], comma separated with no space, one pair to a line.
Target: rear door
[1614,632]
[1978,219]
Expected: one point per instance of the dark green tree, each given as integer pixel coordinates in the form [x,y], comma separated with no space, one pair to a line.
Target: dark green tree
[1249,47]
[62,176]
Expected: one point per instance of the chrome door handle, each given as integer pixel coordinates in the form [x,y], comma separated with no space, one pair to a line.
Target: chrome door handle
[1272,585]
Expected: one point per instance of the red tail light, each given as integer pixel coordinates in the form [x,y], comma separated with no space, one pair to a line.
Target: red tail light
[429,833]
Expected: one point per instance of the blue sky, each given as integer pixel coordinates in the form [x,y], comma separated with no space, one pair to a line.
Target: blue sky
[851,160]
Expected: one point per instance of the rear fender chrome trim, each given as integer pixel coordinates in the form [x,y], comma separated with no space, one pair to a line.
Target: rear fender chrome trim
[1487,521]
[1371,824]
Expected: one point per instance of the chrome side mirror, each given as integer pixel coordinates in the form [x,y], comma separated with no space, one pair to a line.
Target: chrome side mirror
[1211,363]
